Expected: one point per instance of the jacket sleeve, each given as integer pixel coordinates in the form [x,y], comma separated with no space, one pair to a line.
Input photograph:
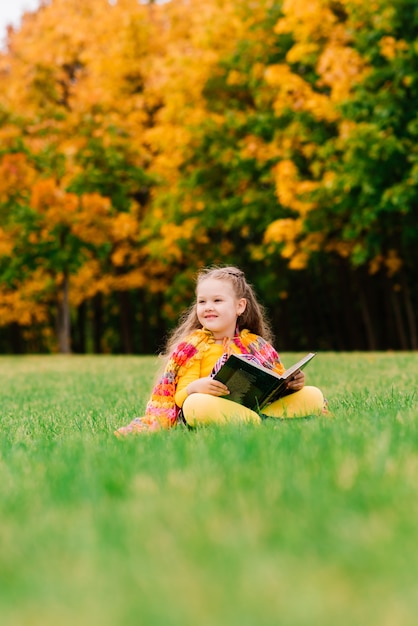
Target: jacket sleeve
[186,376]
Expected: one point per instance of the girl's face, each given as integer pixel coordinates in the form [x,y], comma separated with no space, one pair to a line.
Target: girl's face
[218,308]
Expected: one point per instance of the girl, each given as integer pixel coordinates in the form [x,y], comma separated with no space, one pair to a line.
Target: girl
[225,318]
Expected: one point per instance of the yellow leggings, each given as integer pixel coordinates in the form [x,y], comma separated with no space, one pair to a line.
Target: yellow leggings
[203,409]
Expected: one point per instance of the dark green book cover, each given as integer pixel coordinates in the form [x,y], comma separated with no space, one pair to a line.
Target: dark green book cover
[253,385]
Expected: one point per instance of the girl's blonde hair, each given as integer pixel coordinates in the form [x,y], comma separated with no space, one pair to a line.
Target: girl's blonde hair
[253,318]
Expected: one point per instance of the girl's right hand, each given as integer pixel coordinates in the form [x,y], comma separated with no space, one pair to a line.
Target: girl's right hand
[207,385]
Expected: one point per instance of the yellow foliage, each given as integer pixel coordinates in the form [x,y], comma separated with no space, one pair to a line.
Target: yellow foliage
[290,190]
[324,43]
[375,264]
[54,204]
[25,305]
[171,234]
[301,51]
[283,230]
[313,242]
[87,216]
[390,47]
[124,226]
[6,243]
[346,128]
[143,89]
[306,20]
[340,67]
[16,175]
[226,247]
[299,261]
[193,37]
[94,204]
[9,134]
[393,263]
[236,78]
[87,282]
[92,222]
[120,254]
[293,92]
[289,250]
[343,248]
[166,162]
[286,176]
[296,248]
[254,147]
[134,279]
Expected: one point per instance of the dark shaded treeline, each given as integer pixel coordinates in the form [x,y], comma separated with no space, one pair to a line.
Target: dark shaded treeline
[331,308]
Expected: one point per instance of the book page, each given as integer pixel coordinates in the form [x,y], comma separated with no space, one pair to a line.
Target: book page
[239,385]
[298,366]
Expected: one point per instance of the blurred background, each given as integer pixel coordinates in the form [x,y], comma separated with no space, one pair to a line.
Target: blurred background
[140,141]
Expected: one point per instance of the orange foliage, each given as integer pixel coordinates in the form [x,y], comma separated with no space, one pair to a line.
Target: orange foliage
[193,37]
[6,243]
[88,281]
[88,217]
[53,204]
[16,175]
[25,306]
[92,222]
[132,79]
[391,262]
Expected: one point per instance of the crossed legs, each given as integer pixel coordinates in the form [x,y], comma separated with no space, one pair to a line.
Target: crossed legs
[203,409]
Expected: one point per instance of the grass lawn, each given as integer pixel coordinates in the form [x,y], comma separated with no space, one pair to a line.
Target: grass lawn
[292,523]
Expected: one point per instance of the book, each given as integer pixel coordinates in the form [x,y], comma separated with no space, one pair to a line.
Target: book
[252,384]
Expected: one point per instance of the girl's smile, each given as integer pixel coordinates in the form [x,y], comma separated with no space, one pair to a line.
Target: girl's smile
[218,308]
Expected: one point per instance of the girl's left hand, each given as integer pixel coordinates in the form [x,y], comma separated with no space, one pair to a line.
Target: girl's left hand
[297,382]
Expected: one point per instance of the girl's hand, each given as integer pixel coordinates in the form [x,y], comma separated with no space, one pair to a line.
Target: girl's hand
[297,382]
[207,385]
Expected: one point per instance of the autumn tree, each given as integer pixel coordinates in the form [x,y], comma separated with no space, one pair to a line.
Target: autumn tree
[79,121]
[278,136]
[346,88]
[217,191]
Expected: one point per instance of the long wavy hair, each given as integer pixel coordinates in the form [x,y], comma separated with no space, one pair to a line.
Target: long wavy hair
[253,318]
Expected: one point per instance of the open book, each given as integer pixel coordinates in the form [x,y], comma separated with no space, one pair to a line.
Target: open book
[252,384]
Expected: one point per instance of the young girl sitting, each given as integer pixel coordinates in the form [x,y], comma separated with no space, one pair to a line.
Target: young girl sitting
[225,318]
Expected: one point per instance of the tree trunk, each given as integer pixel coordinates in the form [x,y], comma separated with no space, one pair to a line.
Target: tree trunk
[398,319]
[410,315]
[145,328]
[97,323]
[79,332]
[161,339]
[16,341]
[126,322]
[63,318]
[346,290]
[367,319]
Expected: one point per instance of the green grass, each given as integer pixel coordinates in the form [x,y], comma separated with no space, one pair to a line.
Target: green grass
[293,523]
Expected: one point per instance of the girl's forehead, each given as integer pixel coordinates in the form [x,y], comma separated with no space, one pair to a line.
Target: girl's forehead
[214,286]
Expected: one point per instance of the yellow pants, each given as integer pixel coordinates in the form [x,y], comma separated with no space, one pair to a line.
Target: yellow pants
[204,409]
